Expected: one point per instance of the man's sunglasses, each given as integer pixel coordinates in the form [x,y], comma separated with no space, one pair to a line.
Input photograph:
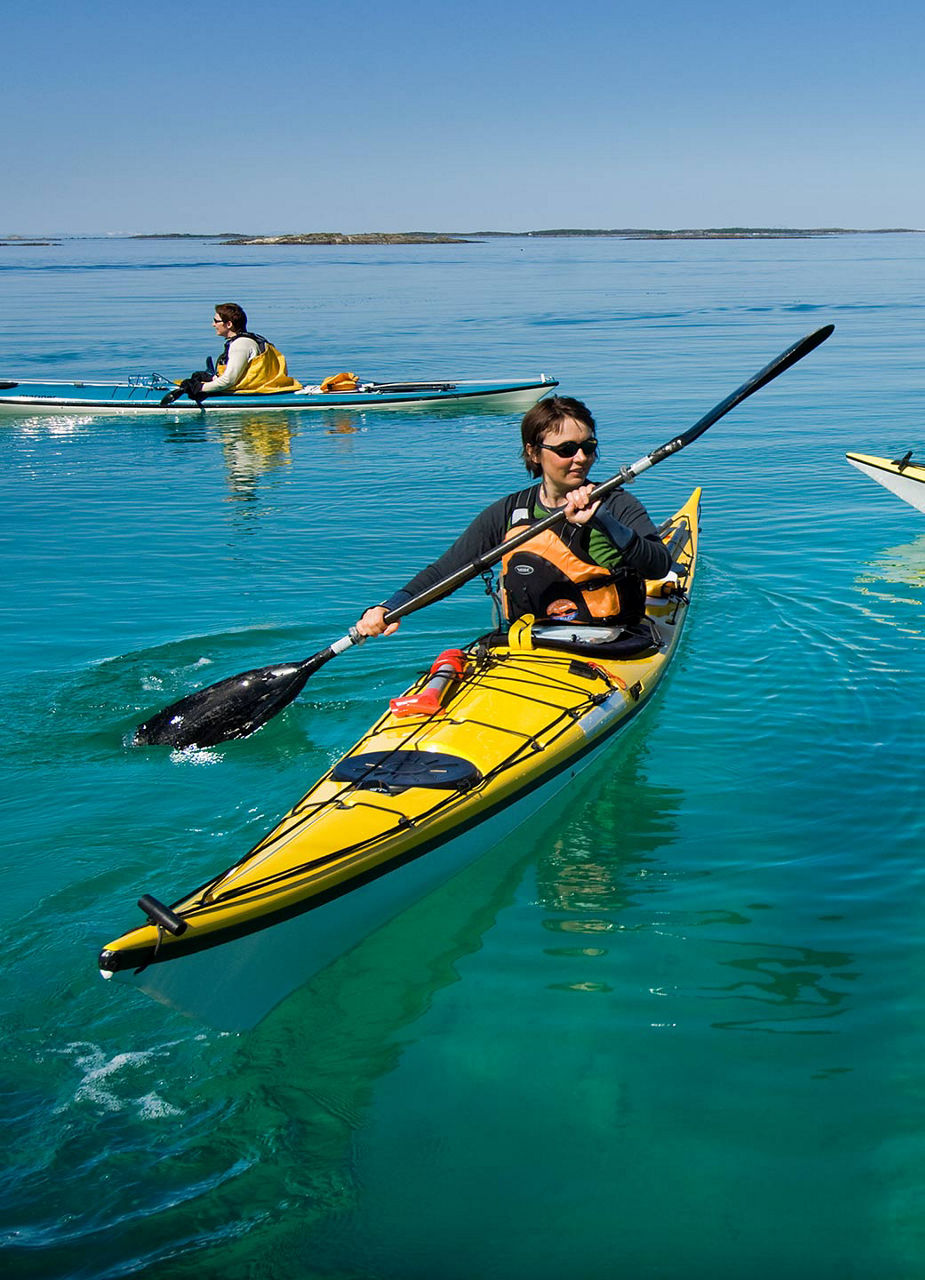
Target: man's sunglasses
[571,447]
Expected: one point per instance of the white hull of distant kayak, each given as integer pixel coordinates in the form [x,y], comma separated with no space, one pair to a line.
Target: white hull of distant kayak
[908,483]
[143,395]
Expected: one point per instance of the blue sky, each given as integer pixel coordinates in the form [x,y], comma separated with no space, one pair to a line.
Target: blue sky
[473,116]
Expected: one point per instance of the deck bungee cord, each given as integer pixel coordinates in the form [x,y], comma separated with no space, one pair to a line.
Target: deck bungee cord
[356,790]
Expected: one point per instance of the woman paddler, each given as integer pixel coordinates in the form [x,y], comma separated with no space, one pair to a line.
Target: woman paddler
[591,568]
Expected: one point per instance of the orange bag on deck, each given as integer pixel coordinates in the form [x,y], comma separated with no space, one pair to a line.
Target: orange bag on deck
[341,382]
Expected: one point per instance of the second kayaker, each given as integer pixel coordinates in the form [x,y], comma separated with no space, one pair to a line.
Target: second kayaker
[249,362]
[591,569]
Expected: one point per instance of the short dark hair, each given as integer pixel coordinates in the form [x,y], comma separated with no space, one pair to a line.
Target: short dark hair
[544,417]
[232,314]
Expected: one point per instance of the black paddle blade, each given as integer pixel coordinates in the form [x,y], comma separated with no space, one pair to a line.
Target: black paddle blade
[233,708]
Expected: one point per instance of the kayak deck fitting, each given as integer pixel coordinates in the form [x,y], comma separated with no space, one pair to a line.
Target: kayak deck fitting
[427,789]
[903,477]
[143,393]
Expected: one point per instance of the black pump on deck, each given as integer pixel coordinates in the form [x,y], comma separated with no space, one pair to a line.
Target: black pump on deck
[159,914]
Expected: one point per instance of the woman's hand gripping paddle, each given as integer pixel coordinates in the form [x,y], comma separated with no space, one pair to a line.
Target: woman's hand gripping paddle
[235,707]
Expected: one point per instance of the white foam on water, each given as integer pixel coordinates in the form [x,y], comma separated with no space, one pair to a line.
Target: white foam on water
[154,1107]
[196,756]
[107,1082]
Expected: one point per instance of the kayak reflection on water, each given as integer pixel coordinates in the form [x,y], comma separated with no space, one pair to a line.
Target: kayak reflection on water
[254,445]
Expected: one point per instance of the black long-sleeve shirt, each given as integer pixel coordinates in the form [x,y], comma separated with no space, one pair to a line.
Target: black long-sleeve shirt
[629,538]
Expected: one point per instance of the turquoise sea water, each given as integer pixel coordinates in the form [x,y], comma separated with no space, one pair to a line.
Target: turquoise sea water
[672,1029]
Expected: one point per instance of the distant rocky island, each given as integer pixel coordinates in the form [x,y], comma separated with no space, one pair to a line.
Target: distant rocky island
[369,237]
[477,237]
[711,233]
[620,233]
[185,235]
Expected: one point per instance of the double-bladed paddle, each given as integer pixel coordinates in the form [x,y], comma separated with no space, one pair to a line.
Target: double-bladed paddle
[235,707]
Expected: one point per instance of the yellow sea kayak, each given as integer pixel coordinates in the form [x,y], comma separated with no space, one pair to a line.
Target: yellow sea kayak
[467,754]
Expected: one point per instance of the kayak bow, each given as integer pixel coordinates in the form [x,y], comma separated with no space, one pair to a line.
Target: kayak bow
[903,477]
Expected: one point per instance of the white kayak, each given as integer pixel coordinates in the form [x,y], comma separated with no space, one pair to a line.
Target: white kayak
[903,477]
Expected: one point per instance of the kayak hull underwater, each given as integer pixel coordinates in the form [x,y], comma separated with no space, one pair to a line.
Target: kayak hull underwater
[418,798]
[143,395]
[905,479]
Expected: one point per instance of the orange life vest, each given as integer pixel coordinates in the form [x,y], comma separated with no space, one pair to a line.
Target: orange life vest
[547,578]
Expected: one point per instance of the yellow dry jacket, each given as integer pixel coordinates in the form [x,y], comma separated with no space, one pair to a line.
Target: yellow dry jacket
[265,374]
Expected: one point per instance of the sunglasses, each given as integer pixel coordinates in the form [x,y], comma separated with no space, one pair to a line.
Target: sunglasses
[570,448]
